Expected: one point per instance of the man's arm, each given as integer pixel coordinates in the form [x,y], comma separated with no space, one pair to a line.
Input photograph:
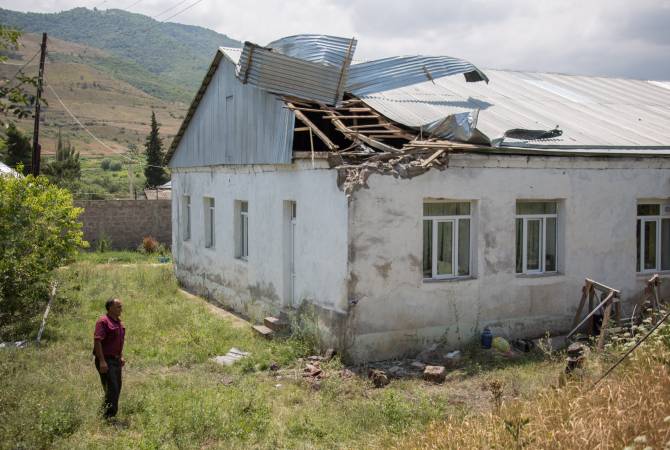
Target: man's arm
[97,349]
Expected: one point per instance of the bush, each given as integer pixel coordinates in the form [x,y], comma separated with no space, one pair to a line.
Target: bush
[39,232]
[115,166]
[105,164]
[150,245]
[104,243]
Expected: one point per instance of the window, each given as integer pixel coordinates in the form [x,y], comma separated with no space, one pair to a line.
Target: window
[536,237]
[243,220]
[446,239]
[186,217]
[653,239]
[209,222]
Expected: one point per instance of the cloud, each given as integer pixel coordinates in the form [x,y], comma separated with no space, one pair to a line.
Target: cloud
[595,37]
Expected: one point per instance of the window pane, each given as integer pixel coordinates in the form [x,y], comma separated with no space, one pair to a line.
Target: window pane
[446,209]
[445,248]
[427,248]
[519,245]
[533,243]
[648,210]
[665,244]
[550,243]
[535,208]
[244,206]
[650,245]
[464,247]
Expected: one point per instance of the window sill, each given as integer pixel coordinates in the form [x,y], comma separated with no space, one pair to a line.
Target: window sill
[539,275]
[647,275]
[448,280]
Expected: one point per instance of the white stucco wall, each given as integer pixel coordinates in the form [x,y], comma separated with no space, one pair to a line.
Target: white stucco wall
[256,287]
[397,312]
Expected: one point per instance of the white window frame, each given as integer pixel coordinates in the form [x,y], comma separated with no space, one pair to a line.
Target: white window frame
[658,219]
[244,231]
[210,222]
[436,220]
[543,239]
[186,217]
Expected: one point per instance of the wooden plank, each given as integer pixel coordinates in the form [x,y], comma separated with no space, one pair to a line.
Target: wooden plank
[315,129]
[582,302]
[360,137]
[606,321]
[435,155]
[384,125]
[589,315]
[351,117]
[301,129]
[604,288]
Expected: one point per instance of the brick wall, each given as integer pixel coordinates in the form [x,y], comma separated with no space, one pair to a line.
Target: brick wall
[126,222]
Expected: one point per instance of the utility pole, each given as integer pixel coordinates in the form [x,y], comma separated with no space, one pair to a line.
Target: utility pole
[38,98]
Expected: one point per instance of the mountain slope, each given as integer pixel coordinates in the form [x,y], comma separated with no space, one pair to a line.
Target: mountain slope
[138,48]
[114,110]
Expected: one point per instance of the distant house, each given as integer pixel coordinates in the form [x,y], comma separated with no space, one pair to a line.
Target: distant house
[162,192]
[417,207]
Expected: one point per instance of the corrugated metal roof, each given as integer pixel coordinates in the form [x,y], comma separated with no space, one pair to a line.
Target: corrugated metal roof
[593,112]
[398,71]
[316,48]
[284,75]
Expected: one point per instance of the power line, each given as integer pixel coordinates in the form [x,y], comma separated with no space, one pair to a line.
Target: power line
[170,8]
[185,9]
[135,3]
[23,67]
[90,133]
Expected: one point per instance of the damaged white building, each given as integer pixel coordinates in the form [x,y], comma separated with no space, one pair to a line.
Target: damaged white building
[412,200]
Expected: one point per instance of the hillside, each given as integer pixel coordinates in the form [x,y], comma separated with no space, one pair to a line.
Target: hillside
[167,60]
[114,110]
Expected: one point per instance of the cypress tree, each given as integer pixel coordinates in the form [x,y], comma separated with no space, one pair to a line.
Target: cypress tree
[65,170]
[18,149]
[153,148]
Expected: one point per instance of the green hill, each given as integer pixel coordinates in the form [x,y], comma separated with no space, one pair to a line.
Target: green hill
[166,60]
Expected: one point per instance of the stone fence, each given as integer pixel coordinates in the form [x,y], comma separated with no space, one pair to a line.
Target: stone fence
[126,222]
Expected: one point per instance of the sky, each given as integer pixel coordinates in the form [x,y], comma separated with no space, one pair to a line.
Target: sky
[619,38]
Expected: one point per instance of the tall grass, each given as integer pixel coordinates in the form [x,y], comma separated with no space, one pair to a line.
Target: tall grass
[630,408]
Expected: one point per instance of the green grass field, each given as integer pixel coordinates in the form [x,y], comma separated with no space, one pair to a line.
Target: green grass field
[174,397]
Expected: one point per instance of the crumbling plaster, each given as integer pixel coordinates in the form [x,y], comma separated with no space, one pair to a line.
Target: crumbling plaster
[256,287]
[396,311]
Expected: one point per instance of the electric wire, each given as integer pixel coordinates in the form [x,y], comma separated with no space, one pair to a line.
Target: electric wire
[90,133]
[9,80]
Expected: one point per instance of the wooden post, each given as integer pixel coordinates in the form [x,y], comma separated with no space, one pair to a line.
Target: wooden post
[606,321]
[52,296]
[585,289]
[592,294]
[37,154]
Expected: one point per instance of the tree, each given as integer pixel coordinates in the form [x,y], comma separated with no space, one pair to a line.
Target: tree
[18,150]
[39,231]
[153,149]
[14,100]
[65,170]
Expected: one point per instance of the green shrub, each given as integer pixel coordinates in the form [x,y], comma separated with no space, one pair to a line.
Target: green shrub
[105,164]
[115,166]
[39,232]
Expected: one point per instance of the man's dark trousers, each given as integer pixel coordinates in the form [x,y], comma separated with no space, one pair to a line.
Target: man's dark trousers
[111,383]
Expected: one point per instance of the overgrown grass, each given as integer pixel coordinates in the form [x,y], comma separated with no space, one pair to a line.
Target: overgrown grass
[174,397]
[117,257]
[630,409]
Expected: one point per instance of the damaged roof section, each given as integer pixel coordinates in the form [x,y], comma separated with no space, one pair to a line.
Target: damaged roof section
[403,115]
[314,68]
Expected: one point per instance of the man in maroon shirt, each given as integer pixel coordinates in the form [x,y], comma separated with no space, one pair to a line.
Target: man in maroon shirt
[108,350]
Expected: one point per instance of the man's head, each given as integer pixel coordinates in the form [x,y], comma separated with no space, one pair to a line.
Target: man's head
[114,307]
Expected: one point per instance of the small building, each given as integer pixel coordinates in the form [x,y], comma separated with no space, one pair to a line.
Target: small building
[417,208]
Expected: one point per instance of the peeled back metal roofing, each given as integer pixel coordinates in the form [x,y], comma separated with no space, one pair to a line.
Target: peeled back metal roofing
[593,112]
[285,75]
[316,48]
[398,71]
